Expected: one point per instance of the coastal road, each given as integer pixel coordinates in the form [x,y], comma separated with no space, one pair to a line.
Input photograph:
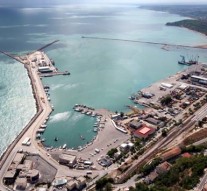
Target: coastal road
[44,110]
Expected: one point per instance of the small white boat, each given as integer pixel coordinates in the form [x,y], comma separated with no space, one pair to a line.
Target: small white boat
[95,129]
[77,109]
[88,113]
[40,130]
[42,140]
[43,126]
[64,146]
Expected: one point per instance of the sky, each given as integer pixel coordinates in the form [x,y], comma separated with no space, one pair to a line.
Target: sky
[28,3]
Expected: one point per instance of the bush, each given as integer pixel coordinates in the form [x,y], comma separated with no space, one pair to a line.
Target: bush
[112,152]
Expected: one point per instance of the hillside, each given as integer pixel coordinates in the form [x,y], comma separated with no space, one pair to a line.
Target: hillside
[198,13]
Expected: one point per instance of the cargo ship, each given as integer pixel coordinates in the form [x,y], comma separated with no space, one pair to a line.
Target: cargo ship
[189,63]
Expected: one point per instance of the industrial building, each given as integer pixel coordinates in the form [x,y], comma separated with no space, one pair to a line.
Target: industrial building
[144,132]
[67,159]
[21,173]
[198,79]
[135,124]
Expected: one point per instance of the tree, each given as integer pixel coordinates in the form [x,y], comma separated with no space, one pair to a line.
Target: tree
[108,187]
[122,114]
[112,152]
[137,142]
[200,123]
[164,133]
[101,183]
[142,187]
[166,100]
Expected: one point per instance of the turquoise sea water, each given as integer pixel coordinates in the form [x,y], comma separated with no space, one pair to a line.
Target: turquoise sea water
[103,73]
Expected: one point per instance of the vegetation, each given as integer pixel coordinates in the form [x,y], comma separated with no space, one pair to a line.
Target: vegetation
[164,132]
[197,12]
[146,169]
[196,25]
[104,184]
[166,100]
[194,149]
[112,152]
[184,175]
[144,187]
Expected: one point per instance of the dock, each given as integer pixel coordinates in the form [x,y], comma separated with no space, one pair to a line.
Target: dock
[54,74]
[165,45]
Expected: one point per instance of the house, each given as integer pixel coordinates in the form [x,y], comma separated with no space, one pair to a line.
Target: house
[163,168]
[186,155]
[151,177]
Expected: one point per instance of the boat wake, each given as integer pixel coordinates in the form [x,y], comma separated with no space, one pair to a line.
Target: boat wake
[60,117]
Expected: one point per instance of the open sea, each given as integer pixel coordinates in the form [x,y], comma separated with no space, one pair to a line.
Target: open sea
[104,73]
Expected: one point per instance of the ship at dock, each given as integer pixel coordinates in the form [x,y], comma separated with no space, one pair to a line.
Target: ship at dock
[190,62]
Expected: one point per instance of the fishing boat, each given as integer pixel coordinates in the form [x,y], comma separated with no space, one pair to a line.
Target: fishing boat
[43,126]
[42,140]
[93,114]
[95,129]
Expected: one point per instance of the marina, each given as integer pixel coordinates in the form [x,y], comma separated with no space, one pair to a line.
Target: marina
[65,131]
[89,111]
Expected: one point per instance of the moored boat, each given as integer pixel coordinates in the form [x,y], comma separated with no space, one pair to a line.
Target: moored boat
[189,63]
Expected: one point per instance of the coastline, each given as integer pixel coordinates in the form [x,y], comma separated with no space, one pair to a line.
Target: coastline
[190,18]
[22,132]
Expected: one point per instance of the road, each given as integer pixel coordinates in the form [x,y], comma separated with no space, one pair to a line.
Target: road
[157,147]
[202,183]
[44,110]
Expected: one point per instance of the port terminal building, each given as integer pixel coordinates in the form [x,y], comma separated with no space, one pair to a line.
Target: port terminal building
[199,79]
